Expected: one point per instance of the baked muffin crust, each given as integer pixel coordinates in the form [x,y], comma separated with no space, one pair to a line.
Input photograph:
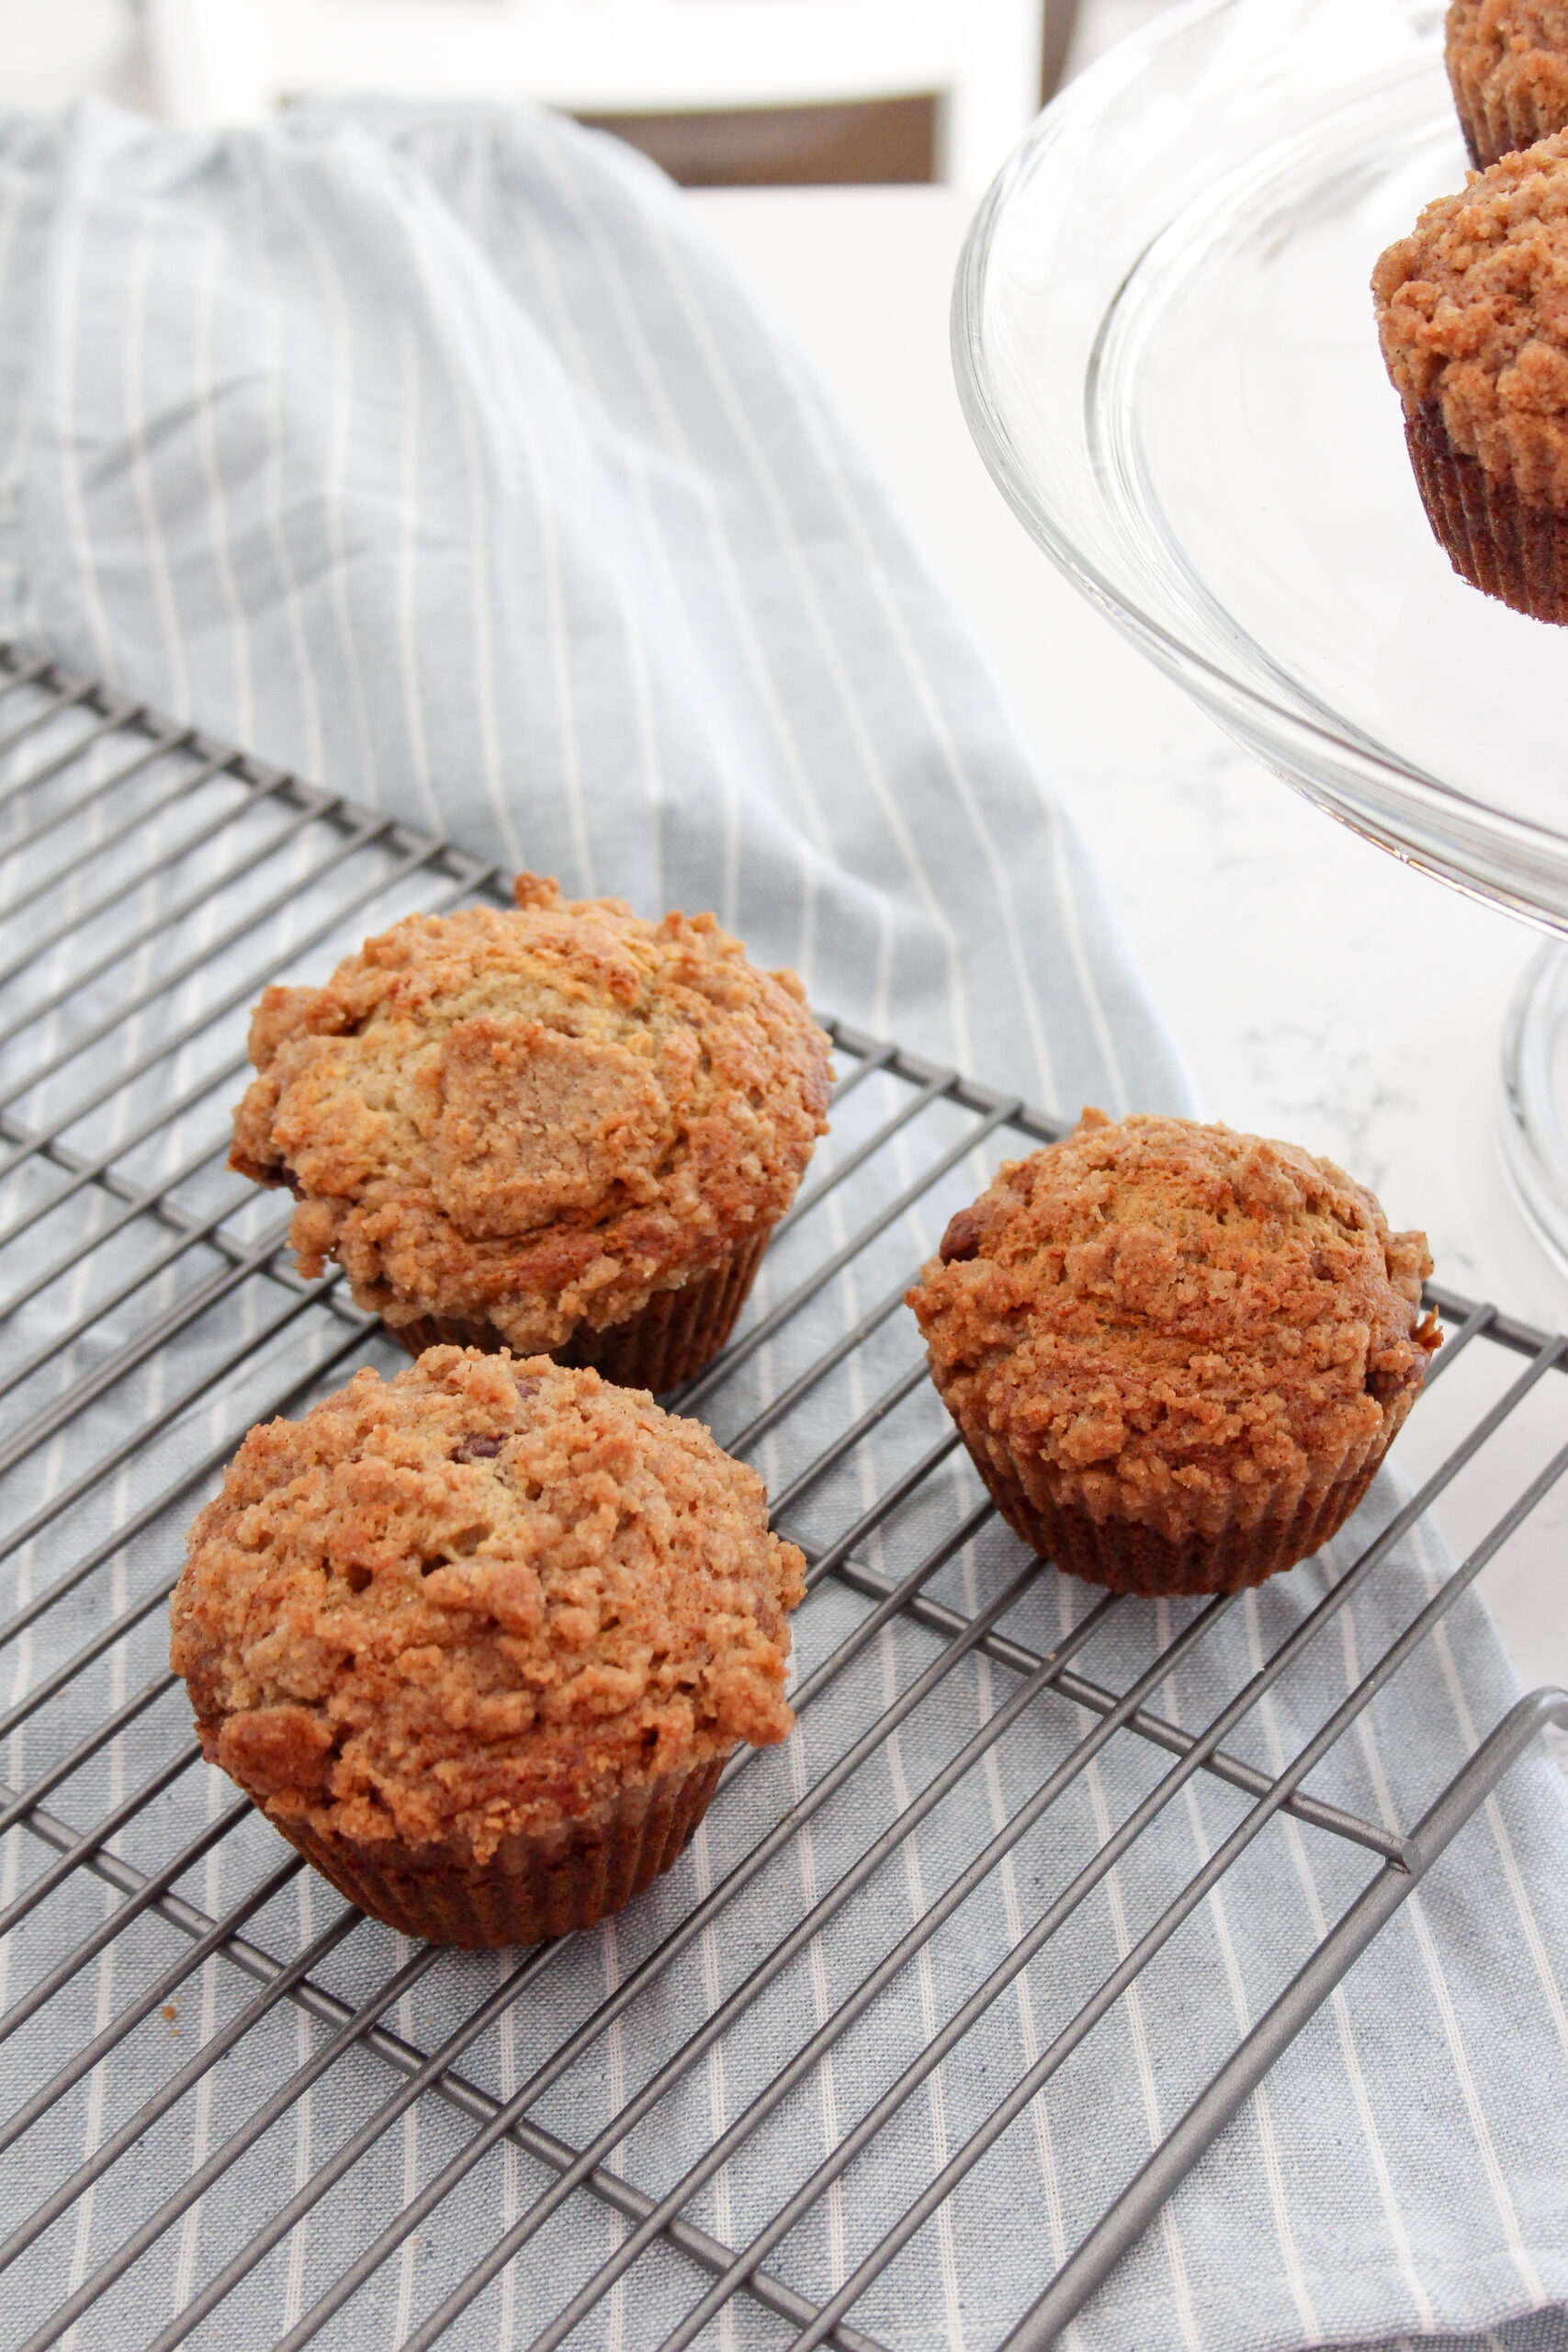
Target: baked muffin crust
[480,1599]
[1162,1316]
[1508,61]
[534,1119]
[1473,316]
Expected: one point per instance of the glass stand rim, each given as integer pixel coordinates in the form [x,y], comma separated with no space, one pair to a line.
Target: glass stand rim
[1532,1121]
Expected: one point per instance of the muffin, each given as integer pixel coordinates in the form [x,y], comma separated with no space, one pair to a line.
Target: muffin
[555,1129]
[478,1640]
[1508,63]
[1176,1354]
[1472,315]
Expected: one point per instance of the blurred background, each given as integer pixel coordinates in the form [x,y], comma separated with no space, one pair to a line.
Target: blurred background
[722,93]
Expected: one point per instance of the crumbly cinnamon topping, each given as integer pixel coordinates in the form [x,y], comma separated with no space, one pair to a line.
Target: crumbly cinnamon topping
[538,1117]
[1473,314]
[1508,61]
[1158,1313]
[477,1598]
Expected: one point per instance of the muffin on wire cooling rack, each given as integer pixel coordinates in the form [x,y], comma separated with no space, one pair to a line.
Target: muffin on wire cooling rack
[1175,1355]
[1473,316]
[480,1639]
[1508,63]
[557,1128]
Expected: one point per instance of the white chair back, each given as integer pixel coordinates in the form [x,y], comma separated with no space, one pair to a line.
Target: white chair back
[233,60]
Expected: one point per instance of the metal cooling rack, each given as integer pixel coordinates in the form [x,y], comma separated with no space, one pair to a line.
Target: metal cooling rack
[247,2060]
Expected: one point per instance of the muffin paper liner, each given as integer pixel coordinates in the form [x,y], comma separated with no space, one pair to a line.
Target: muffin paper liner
[532,1888]
[1268,1530]
[1498,125]
[1494,539]
[676,1335]
[679,1332]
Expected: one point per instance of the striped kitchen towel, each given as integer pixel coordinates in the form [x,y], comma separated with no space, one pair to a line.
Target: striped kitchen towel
[437,458]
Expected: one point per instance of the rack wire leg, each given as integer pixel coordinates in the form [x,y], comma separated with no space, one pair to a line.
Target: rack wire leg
[1124,2222]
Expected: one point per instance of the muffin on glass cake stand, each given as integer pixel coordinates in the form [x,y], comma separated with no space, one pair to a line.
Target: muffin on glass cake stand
[1141,312]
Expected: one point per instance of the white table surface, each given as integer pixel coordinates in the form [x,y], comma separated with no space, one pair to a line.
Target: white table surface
[1320,990]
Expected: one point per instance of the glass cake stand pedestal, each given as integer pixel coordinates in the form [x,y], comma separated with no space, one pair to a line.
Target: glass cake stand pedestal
[1166,351]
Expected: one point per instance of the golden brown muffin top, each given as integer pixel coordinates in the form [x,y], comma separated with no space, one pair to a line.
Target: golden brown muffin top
[539,1116]
[479,1598]
[1473,313]
[1513,54]
[1157,1303]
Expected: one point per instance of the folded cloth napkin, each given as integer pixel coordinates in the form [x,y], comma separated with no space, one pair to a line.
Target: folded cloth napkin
[434,455]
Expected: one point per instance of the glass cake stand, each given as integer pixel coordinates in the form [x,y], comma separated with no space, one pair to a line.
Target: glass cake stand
[1165,350]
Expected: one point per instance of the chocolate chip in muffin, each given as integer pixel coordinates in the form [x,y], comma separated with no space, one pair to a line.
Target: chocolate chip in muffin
[962,1239]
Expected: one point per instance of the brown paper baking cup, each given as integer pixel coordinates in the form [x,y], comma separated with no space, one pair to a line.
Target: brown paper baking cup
[1499,122]
[1267,1535]
[679,1332]
[1511,549]
[676,1335]
[532,1888]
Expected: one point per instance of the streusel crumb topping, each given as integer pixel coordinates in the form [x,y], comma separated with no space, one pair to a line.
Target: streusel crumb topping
[538,1117]
[1473,313]
[1158,1310]
[474,1600]
[1508,62]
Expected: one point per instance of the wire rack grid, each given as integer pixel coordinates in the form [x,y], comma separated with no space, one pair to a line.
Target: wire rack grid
[229,2094]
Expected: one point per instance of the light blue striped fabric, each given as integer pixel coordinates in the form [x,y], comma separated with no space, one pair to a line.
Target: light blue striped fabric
[438,459]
